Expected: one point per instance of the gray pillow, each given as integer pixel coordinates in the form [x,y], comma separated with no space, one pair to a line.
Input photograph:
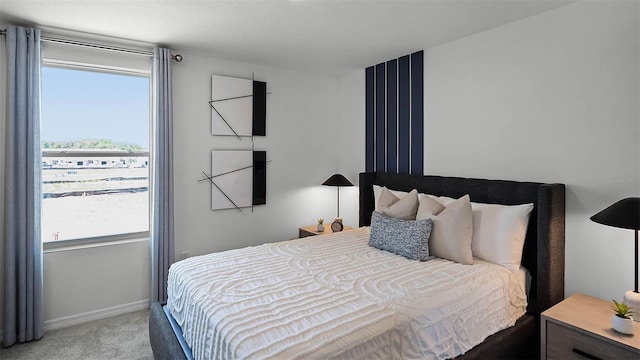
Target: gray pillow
[409,238]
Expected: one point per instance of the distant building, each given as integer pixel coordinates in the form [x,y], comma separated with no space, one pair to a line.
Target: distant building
[83,159]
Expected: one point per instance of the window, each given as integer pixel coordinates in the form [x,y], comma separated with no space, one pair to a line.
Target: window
[95,153]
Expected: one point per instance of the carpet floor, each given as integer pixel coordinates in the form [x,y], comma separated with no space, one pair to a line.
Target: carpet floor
[121,337]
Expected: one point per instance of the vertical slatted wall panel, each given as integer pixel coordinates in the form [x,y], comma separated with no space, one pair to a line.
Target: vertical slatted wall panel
[417,113]
[403,114]
[392,119]
[380,120]
[395,115]
[370,120]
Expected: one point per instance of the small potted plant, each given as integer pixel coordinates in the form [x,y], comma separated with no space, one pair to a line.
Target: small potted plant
[320,225]
[622,321]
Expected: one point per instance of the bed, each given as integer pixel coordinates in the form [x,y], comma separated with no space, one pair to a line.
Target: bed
[543,257]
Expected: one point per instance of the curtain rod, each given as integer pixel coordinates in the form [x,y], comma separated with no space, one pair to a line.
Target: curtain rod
[96,46]
[177,57]
[88,44]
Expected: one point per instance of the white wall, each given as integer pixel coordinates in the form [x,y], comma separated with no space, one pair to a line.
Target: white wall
[96,282]
[352,122]
[551,98]
[307,140]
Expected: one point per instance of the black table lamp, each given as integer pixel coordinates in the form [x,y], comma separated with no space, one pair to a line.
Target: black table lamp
[337,180]
[625,214]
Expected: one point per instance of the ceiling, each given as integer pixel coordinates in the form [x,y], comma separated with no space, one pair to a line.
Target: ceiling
[328,37]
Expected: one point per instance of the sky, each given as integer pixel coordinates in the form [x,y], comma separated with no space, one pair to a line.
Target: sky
[79,104]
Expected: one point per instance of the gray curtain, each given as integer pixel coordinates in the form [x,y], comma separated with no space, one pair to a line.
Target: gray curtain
[23,308]
[162,181]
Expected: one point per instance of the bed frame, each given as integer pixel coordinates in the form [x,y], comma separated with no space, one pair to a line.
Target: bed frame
[543,255]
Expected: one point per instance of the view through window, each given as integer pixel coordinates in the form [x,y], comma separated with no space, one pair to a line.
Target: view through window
[95,154]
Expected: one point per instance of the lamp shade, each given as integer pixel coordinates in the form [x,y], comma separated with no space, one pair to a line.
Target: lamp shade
[623,214]
[337,180]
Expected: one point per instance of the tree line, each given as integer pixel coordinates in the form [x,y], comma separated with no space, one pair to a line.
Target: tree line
[92,144]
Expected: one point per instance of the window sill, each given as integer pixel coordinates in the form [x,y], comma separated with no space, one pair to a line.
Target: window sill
[76,244]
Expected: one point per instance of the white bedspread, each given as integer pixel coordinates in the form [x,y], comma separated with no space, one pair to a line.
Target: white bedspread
[333,296]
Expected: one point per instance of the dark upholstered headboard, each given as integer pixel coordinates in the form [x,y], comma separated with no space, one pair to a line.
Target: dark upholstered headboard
[543,252]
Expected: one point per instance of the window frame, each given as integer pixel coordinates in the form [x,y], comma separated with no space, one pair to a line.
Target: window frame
[96,241]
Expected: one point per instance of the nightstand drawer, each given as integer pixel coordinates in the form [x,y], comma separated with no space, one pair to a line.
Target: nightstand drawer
[564,343]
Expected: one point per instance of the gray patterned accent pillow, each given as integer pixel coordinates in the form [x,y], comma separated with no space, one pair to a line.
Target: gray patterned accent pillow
[409,238]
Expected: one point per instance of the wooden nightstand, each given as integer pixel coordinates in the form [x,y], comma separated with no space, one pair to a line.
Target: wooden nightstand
[579,327]
[313,230]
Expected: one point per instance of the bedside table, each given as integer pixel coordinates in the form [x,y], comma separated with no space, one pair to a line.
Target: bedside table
[579,327]
[313,230]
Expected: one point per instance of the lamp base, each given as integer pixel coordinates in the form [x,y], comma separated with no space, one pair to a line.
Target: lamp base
[632,299]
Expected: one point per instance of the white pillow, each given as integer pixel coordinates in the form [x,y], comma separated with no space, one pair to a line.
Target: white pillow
[452,230]
[401,208]
[499,232]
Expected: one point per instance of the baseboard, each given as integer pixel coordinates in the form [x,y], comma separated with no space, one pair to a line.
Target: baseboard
[67,321]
